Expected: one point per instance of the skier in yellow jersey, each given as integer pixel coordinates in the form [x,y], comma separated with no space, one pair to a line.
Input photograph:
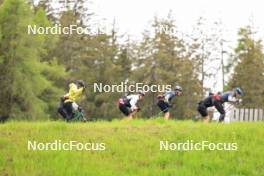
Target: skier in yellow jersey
[68,102]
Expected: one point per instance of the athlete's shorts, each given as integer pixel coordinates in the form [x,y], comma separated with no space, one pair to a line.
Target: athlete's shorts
[164,107]
[69,110]
[124,109]
[202,109]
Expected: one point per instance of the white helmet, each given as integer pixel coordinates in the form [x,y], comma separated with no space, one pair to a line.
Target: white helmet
[141,93]
[178,88]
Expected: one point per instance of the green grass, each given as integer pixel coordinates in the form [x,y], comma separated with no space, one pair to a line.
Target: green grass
[132,148]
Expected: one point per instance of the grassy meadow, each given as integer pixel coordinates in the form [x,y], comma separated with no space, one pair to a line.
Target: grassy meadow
[132,148]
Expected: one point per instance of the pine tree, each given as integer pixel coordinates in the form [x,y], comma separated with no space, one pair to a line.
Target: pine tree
[69,45]
[99,66]
[163,59]
[24,77]
[249,71]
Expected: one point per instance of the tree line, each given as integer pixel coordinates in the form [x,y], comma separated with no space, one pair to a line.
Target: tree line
[35,70]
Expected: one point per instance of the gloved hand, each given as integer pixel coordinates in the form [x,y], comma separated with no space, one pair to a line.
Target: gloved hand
[171,105]
[135,109]
[239,101]
[83,88]
[222,118]
[80,109]
[160,97]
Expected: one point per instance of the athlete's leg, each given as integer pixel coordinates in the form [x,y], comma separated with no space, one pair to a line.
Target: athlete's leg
[218,105]
[69,111]
[164,107]
[202,109]
[167,115]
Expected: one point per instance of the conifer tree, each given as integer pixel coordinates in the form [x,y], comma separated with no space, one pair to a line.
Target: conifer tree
[25,84]
[249,71]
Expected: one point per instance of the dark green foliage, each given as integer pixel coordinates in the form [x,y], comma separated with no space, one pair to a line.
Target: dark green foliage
[249,71]
[166,62]
[27,87]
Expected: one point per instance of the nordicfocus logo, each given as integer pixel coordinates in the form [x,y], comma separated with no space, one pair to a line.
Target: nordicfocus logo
[190,145]
[58,145]
[125,87]
[58,29]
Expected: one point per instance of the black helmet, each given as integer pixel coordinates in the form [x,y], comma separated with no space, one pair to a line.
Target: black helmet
[178,88]
[239,91]
[80,83]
